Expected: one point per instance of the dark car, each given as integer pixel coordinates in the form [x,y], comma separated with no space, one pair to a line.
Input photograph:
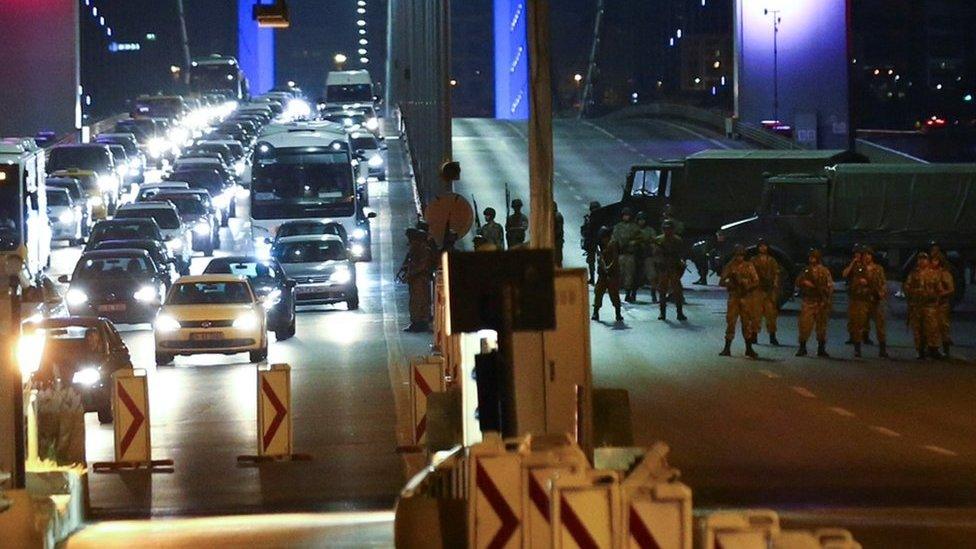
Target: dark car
[220,189]
[123,285]
[199,216]
[77,192]
[272,285]
[82,352]
[135,171]
[124,229]
[160,254]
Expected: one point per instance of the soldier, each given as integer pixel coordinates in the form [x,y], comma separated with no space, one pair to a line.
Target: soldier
[817,288]
[867,288]
[914,295]
[646,259]
[923,288]
[944,290]
[416,271]
[770,289]
[559,235]
[516,226]
[670,267]
[492,230]
[739,277]
[608,274]
[589,240]
[626,234]
[668,215]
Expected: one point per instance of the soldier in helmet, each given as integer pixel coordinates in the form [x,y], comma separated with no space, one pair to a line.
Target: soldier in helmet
[817,290]
[589,240]
[492,230]
[868,288]
[740,279]
[517,225]
[626,234]
[670,266]
[608,274]
[945,287]
[559,235]
[646,261]
[770,288]
[416,272]
[918,289]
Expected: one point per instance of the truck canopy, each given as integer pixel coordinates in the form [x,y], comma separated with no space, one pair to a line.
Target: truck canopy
[929,199]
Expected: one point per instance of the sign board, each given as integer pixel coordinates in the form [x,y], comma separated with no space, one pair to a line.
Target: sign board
[274,411]
[426,377]
[131,404]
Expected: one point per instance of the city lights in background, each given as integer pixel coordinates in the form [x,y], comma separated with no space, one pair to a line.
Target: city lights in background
[363,50]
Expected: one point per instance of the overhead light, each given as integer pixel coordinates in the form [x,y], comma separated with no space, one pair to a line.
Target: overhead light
[271,16]
[363,41]
[361,22]
[364,60]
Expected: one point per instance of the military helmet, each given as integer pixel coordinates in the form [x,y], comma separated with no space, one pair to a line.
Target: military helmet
[761,241]
[867,250]
[595,205]
[489,211]
[626,211]
[641,216]
[668,224]
[922,255]
[739,250]
[604,232]
[815,252]
[517,203]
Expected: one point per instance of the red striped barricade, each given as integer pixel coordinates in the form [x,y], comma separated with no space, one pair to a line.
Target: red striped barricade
[426,377]
[545,461]
[585,510]
[130,408]
[749,529]
[495,494]
[657,511]
[274,440]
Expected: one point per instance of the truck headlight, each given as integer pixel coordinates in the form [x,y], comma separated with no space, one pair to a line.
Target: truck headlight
[341,276]
[145,294]
[157,147]
[167,324]
[66,217]
[76,297]
[246,321]
[86,376]
[375,161]
[202,228]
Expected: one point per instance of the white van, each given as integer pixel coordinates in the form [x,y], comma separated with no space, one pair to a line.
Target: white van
[349,88]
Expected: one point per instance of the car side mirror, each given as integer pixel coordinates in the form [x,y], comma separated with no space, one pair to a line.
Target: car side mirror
[64,279]
[267,240]
[370,215]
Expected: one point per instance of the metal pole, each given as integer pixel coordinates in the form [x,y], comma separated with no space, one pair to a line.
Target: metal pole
[17,385]
[591,68]
[185,42]
[541,220]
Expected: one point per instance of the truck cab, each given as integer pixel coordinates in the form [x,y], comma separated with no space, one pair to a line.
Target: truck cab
[648,189]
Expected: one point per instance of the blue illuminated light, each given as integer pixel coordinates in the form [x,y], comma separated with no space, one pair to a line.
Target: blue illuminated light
[511,60]
[255,49]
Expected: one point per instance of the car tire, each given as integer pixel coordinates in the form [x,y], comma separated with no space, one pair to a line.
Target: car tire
[232,211]
[105,413]
[258,355]
[225,220]
[209,250]
[353,303]
[287,332]
[164,359]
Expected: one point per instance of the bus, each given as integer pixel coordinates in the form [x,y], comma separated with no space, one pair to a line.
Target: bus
[307,173]
[349,88]
[218,73]
[24,227]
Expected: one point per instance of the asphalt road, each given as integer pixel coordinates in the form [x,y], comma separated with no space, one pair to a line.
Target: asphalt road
[893,439]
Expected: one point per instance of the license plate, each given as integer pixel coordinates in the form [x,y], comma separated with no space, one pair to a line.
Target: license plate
[113,308]
[312,289]
[206,336]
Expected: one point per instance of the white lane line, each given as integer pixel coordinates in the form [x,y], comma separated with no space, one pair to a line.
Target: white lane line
[885,431]
[625,144]
[843,412]
[803,391]
[697,134]
[940,450]
[769,375]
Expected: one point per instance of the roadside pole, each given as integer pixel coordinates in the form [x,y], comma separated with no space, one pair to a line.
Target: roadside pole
[11,387]
[541,220]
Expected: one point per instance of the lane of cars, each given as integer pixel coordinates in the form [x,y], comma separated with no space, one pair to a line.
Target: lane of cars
[140,237]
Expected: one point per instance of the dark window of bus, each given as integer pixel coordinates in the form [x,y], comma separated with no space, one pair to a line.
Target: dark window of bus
[350,92]
[303,179]
[95,158]
[11,209]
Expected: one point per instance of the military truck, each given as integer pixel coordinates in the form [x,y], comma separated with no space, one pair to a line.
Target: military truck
[710,188]
[897,209]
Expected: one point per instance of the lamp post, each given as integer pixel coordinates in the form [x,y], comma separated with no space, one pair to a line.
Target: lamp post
[776,21]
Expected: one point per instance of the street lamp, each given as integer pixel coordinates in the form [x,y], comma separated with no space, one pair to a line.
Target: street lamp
[776,21]
[340,60]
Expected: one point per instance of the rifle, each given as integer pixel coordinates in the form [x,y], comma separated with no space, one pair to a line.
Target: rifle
[508,205]
[477,216]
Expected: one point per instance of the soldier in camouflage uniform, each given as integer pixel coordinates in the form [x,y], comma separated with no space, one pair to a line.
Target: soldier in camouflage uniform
[770,289]
[740,279]
[943,306]
[589,241]
[608,274]
[670,266]
[817,290]
[646,253]
[627,234]
[915,296]
[867,287]
[492,230]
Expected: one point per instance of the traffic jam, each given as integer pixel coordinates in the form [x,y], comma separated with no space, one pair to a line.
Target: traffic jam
[150,203]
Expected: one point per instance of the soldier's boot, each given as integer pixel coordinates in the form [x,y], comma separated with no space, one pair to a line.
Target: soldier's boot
[631,296]
[681,313]
[882,349]
[822,349]
[619,317]
[727,350]
[857,350]
[750,352]
[802,351]
[773,341]
[663,306]
[945,350]
[596,314]
[933,352]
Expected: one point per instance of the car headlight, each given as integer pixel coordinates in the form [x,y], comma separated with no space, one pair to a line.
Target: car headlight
[157,146]
[76,297]
[273,298]
[247,321]
[86,377]
[166,323]
[202,228]
[239,167]
[341,276]
[358,234]
[107,183]
[372,124]
[66,216]
[146,293]
[175,244]
[221,200]
[375,161]
[357,250]
[95,201]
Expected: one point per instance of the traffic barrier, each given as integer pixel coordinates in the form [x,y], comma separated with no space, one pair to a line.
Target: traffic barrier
[274,417]
[495,490]
[130,407]
[740,529]
[426,377]
[586,510]
[836,538]
[440,316]
[827,538]
[657,509]
[540,465]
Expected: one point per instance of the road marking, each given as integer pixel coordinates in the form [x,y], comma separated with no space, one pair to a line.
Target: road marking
[843,412]
[699,135]
[625,144]
[803,391]
[940,450]
[769,375]
[885,431]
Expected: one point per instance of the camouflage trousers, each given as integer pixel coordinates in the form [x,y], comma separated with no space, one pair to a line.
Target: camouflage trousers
[628,271]
[861,313]
[768,310]
[813,316]
[606,285]
[926,324]
[745,311]
[420,299]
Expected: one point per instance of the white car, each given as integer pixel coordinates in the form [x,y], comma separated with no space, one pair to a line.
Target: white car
[177,236]
[211,314]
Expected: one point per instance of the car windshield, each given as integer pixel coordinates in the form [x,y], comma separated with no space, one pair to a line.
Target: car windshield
[55,198]
[364,143]
[296,229]
[68,344]
[112,267]
[262,272]
[201,179]
[148,245]
[73,189]
[185,204]
[117,230]
[95,158]
[129,146]
[309,251]
[349,93]
[300,177]
[166,218]
[143,129]
[209,293]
